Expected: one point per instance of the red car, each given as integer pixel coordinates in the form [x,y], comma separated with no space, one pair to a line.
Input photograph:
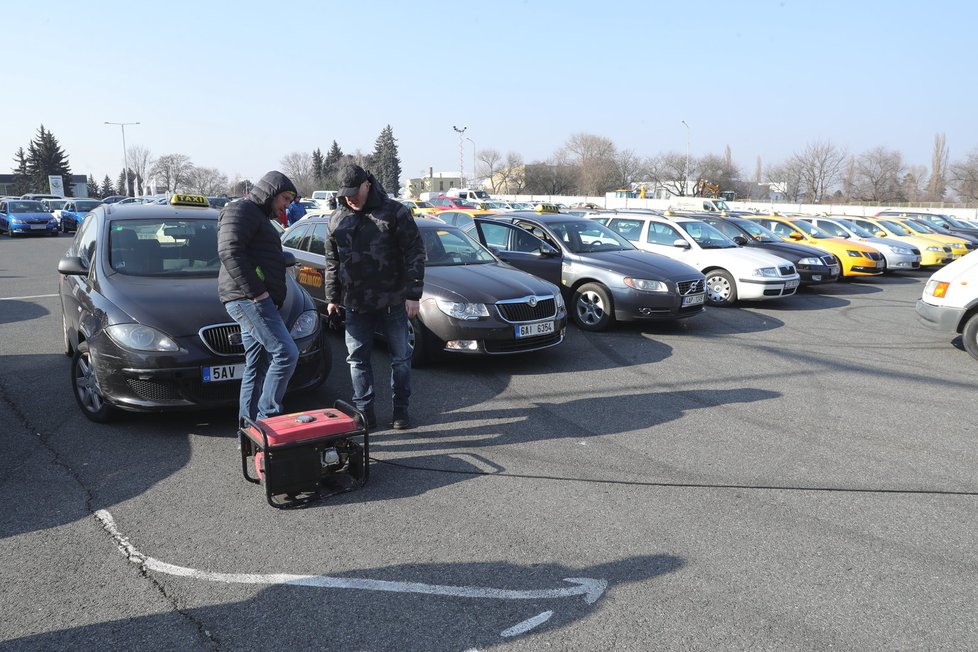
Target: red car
[444,203]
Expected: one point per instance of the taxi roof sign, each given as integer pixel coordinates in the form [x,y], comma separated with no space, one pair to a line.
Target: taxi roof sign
[189,200]
[546,208]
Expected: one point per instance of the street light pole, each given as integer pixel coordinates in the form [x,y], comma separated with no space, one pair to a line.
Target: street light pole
[473,156]
[125,156]
[461,154]
[686,174]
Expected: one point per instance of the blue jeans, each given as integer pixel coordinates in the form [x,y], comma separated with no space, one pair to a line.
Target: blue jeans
[270,357]
[360,330]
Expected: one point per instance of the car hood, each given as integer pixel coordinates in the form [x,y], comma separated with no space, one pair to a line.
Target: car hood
[482,283]
[790,250]
[641,264]
[181,306]
[735,257]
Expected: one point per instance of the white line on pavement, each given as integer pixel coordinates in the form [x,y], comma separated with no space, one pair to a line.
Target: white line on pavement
[36,296]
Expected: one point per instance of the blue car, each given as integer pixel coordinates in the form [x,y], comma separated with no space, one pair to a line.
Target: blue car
[25,217]
[74,211]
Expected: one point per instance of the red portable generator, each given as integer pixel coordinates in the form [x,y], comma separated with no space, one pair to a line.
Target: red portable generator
[292,454]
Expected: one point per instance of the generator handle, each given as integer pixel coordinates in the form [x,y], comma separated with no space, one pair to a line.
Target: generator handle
[343,406]
[245,421]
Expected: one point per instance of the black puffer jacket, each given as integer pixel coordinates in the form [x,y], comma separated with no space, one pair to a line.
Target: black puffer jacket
[249,246]
[375,257]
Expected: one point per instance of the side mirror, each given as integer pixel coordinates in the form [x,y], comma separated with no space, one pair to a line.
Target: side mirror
[549,251]
[741,240]
[794,235]
[680,243]
[289,258]
[72,266]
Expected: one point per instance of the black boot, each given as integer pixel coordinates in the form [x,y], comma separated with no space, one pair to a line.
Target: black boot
[400,421]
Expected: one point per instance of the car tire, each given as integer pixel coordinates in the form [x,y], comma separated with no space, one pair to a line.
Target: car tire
[842,270]
[85,387]
[721,290]
[424,345]
[591,308]
[969,336]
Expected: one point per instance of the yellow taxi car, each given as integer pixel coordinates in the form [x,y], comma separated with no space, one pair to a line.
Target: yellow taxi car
[419,208]
[855,258]
[958,245]
[933,253]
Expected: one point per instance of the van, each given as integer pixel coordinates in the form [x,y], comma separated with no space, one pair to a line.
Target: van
[468,194]
[949,303]
[698,204]
[322,197]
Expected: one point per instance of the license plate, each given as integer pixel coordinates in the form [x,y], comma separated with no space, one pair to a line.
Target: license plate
[39,226]
[693,300]
[791,284]
[223,373]
[532,330]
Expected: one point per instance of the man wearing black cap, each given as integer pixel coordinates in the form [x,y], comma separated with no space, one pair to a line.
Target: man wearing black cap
[375,271]
[251,284]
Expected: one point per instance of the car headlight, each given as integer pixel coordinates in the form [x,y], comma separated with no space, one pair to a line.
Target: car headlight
[937,289]
[305,325]
[460,310]
[140,338]
[903,251]
[938,249]
[559,299]
[766,272]
[645,285]
[854,254]
[810,261]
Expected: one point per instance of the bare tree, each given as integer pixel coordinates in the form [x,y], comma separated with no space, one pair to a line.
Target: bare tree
[593,156]
[628,168]
[819,166]
[913,186]
[879,174]
[786,180]
[491,163]
[964,177]
[139,162]
[671,168]
[719,171]
[938,169]
[297,166]
[206,181]
[513,174]
[171,171]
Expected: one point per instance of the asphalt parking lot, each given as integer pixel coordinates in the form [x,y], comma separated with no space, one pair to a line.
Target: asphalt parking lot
[794,474]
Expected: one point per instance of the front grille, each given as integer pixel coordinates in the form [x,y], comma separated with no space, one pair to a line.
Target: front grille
[198,391]
[154,390]
[874,255]
[786,270]
[223,339]
[527,309]
[691,287]
[522,344]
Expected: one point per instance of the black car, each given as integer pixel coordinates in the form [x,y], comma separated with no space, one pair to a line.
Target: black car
[472,303]
[142,319]
[814,265]
[603,276]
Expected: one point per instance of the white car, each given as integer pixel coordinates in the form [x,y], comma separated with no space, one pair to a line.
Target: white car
[949,303]
[732,272]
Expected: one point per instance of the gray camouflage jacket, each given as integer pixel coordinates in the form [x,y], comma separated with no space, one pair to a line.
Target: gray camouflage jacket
[374,258]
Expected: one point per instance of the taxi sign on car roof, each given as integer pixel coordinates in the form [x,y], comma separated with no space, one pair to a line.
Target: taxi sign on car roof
[546,208]
[189,200]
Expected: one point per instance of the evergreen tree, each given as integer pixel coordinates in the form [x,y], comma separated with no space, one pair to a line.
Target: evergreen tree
[93,189]
[22,177]
[384,162]
[317,168]
[126,189]
[331,166]
[107,188]
[46,158]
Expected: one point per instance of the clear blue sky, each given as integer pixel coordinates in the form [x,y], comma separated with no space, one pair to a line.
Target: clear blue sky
[238,85]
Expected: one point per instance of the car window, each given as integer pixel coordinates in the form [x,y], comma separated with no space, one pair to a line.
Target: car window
[588,236]
[453,247]
[832,229]
[706,236]
[663,234]
[726,228]
[171,248]
[496,235]
[895,227]
[294,239]
[317,241]
[630,229]
[27,207]
[84,244]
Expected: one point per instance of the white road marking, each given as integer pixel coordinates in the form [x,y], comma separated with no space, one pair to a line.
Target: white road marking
[527,624]
[36,296]
[589,588]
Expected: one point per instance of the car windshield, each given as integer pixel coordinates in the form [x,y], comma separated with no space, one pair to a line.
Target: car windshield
[170,248]
[918,227]
[588,236]
[56,204]
[810,229]
[86,205]
[707,236]
[450,246]
[758,232]
[833,229]
[26,206]
[855,228]
[894,227]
